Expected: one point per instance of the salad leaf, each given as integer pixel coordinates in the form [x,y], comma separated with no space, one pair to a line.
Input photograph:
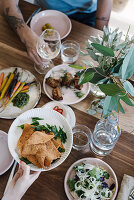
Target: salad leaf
[79,94]
[36,118]
[36,123]
[106,175]
[61,149]
[21,126]
[71,183]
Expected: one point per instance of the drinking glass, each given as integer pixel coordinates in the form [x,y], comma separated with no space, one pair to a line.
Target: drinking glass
[105,136]
[48,47]
[70,51]
[81,137]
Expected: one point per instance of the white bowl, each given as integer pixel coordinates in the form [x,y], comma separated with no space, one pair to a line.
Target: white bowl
[93,161]
[58,20]
[51,117]
[6,160]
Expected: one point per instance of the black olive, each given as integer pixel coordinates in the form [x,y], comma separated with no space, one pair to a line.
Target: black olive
[112,186]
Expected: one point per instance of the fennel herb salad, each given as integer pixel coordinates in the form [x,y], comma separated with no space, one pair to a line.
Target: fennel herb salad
[90,183]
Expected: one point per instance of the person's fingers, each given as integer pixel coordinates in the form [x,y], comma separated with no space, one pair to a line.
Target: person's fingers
[35,175]
[25,168]
[37,57]
[31,56]
[18,174]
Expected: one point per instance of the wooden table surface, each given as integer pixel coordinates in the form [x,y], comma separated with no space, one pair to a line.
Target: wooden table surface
[50,185]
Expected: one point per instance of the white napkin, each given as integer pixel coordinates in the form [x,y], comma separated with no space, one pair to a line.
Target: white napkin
[126,187]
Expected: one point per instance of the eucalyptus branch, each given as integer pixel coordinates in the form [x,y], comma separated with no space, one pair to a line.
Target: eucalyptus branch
[100,73]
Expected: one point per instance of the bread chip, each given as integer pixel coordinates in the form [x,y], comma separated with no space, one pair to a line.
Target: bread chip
[27,132]
[39,137]
[33,160]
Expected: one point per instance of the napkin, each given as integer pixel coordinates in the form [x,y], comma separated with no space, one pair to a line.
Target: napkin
[126,187]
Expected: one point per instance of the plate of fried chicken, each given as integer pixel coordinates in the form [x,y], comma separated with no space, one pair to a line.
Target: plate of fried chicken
[61,84]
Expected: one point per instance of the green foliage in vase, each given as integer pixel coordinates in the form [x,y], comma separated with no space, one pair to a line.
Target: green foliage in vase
[114,68]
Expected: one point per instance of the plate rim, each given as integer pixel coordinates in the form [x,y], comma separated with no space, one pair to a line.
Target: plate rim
[38,96]
[83,159]
[45,90]
[54,11]
[5,170]
[69,128]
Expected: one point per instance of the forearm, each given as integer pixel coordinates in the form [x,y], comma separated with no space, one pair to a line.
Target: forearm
[14,17]
[104,8]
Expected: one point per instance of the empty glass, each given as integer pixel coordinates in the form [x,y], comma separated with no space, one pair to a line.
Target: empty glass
[48,47]
[105,136]
[70,51]
[81,137]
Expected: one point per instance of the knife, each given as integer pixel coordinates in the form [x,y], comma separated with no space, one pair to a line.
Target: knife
[34,13]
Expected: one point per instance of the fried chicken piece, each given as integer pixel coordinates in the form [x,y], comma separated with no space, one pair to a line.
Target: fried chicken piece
[67,79]
[76,85]
[53,82]
[56,92]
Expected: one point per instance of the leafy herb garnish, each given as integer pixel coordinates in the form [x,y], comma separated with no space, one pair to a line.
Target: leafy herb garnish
[79,94]
[21,126]
[71,183]
[61,150]
[36,118]
[25,160]
[106,175]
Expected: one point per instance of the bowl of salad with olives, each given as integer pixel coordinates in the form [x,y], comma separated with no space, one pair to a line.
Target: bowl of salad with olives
[90,179]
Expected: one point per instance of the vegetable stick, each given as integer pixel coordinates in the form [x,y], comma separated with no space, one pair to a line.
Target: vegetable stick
[13,84]
[17,91]
[7,85]
[24,91]
[26,87]
[15,88]
[1,78]
[3,84]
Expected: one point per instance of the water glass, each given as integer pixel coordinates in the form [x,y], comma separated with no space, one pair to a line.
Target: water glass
[70,51]
[105,136]
[81,137]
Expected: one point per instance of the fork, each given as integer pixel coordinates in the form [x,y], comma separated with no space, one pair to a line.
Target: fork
[131,195]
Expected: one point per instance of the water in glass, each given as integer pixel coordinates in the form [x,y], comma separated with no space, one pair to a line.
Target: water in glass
[105,136]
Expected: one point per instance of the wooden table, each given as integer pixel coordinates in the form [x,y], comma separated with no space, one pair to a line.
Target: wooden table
[50,185]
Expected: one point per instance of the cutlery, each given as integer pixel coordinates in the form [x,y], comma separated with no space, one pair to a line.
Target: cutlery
[11,176]
[131,195]
[34,13]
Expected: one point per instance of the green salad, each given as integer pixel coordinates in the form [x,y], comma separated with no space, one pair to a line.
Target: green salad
[90,183]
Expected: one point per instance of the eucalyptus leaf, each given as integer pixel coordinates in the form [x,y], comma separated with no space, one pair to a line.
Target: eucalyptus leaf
[92,54]
[127,100]
[110,103]
[83,54]
[87,62]
[76,66]
[129,87]
[85,77]
[110,89]
[120,107]
[103,49]
[127,68]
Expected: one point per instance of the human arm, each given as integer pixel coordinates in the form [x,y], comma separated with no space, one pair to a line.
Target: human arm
[15,19]
[20,183]
[104,8]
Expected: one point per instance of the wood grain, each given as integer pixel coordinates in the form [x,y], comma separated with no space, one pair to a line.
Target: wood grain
[50,185]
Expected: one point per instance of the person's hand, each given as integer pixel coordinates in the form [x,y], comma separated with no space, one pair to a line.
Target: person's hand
[29,38]
[20,183]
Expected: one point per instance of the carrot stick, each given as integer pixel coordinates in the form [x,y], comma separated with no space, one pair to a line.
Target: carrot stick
[3,83]
[1,78]
[15,88]
[24,91]
[7,85]
[17,91]
[26,87]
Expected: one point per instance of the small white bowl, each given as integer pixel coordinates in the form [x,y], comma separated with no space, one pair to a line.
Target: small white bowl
[52,104]
[6,160]
[68,113]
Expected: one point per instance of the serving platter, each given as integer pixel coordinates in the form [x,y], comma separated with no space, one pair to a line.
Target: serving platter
[95,162]
[69,97]
[11,112]
[50,117]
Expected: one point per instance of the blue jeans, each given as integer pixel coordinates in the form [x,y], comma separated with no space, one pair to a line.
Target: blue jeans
[85,18]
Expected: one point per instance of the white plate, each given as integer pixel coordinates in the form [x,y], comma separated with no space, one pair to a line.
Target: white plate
[58,20]
[6,160]
[69,115]
[34,92]
[69,97]
[93,161]
[51,117]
